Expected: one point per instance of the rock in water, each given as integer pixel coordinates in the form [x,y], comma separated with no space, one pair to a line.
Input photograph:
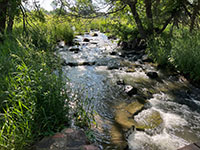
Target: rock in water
[113,53]
[68,139]
[120,82]
[95,34]
[152,75]
[130,90]
[74,49]
[86,40]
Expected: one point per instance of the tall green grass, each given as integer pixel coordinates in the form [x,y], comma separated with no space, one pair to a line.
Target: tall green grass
[180,50]
[33,99]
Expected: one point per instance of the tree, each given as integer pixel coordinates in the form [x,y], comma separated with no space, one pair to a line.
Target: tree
[8,10]
[3,12]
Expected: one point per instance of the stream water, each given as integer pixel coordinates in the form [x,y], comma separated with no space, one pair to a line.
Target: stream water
[97,67]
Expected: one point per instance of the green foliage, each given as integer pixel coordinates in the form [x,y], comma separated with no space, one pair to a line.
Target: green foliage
[180,50]
[62,31]
[185,54]
[159,48]
[33,101]
[44,35]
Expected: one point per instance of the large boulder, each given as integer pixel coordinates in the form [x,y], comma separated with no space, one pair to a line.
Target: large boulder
[68,139]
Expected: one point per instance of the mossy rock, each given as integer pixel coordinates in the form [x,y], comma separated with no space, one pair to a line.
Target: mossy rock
[123,115]
[126,116]
[150,120]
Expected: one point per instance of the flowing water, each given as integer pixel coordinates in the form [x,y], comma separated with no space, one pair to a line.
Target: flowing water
[104,76]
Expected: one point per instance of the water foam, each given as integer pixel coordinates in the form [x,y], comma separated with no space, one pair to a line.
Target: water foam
[163,141]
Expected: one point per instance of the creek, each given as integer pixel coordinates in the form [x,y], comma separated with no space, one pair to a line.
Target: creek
[133,108]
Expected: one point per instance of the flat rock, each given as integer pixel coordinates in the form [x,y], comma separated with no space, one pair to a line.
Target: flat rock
[134,107]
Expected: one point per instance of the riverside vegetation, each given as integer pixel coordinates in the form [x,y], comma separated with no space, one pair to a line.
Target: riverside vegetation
[34,99]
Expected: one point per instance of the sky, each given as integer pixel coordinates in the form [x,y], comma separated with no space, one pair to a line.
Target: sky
[46,4]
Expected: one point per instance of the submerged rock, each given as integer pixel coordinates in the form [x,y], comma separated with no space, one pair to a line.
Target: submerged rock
[124,119]
[74,64]
[61,44]
[145,58]
[117,137]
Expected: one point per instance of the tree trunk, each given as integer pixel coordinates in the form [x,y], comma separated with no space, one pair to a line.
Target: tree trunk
[148,5]
[10,23]
[3,13]
[194,15]
[132,5]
